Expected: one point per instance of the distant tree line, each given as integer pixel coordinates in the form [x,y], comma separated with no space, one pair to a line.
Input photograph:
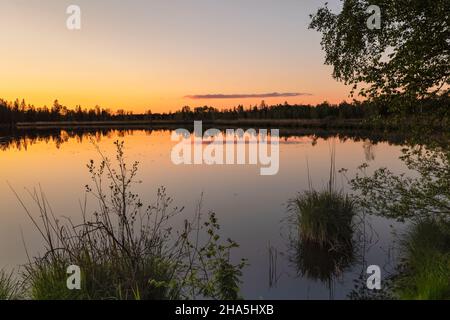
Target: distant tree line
[280,111]
[20,111]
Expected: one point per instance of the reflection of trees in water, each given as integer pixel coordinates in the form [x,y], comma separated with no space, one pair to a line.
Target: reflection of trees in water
[22,139]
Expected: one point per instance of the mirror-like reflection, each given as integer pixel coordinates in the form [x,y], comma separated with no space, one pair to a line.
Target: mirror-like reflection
[22,139]
[250,207]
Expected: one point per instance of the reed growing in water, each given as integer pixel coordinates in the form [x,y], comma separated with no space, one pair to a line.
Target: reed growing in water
[324,225]
[324,217]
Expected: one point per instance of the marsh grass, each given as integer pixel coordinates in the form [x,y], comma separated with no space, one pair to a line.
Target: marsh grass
[324,246]
[10,288]
[324,217]
[323,220]
[425,266]
[126,250]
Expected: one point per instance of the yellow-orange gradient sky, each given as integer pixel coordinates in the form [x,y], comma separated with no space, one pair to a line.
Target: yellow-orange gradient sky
[154,54]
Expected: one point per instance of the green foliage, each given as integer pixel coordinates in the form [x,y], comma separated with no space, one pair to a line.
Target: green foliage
[48,282]
[408,56]
[423,197]
[424,194]
[222,278]
[425,269]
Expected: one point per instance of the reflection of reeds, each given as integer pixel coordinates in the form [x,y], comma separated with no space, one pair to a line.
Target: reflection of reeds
[425,270]
[273,261]
[322,262]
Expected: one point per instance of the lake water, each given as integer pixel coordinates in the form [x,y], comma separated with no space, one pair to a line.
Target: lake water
[251,208]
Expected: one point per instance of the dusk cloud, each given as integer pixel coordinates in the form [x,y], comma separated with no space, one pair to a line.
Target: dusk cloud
[245,96]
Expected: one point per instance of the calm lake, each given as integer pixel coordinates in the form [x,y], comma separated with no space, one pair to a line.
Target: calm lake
[252,209]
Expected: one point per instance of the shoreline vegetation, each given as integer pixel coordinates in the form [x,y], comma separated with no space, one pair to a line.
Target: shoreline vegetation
[285,123]
[125,249]
[381,113]
[329,123]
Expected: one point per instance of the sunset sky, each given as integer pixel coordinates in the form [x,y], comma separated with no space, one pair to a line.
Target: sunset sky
[161,55]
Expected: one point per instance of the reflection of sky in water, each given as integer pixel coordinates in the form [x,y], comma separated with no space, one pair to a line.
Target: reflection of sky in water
[251,208]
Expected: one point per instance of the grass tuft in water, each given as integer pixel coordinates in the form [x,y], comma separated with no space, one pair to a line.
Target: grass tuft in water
[324,217]
[323,220]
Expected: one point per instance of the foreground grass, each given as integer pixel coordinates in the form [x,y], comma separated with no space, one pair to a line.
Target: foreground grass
[426,263]
[126,250]
[10,288]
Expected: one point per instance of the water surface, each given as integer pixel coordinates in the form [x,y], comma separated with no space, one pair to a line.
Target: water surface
[251,208]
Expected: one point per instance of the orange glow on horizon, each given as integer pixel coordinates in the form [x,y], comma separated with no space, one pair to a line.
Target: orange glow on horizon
[145,63]
[159,104]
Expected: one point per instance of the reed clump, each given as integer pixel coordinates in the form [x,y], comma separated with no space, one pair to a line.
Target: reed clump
[324,217]
[324,224]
